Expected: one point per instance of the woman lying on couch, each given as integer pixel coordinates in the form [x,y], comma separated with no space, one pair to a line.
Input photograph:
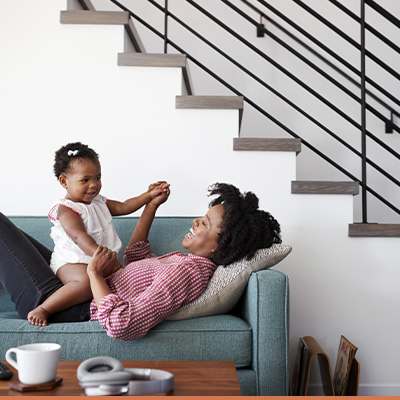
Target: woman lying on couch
[132,300]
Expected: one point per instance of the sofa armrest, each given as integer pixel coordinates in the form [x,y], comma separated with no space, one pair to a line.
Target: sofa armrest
[265,306]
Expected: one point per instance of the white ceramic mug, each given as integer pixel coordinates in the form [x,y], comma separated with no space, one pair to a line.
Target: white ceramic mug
[36,363]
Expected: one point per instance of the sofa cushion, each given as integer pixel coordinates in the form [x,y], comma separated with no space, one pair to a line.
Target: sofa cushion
[223,337]
[228,283]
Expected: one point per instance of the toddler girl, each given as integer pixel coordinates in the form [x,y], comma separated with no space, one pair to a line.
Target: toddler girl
[82,221]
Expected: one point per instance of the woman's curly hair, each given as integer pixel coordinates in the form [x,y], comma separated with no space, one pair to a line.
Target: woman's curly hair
[244,228]
[72,151]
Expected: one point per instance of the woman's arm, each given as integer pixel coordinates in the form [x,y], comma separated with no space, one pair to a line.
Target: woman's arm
[103,263]
[73,226]
[142,229]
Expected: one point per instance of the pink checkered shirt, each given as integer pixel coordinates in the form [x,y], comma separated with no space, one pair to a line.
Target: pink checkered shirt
[148,289]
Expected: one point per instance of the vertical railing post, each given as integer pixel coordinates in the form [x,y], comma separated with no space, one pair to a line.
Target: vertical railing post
[166,27]
[363,118]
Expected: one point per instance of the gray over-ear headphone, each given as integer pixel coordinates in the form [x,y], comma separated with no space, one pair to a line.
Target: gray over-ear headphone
[102,376]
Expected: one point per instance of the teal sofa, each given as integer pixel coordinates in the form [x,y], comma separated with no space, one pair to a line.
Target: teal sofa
[254,334]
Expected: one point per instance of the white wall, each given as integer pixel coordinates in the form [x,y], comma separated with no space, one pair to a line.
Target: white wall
[61,83]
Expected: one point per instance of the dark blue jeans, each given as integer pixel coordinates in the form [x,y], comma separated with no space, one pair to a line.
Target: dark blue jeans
[27,277]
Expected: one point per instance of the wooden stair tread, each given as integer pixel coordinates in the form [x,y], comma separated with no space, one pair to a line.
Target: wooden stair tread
[325,187]
[94,17]
[151,60]
[374,230]
[267,144]
[210,102]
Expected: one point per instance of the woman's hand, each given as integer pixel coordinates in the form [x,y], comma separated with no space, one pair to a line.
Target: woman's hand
[142,228]
[155,184]
[104,262]
[163,191]
[158,188]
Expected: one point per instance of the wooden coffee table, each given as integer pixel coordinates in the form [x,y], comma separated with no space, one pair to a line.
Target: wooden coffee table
[191,378]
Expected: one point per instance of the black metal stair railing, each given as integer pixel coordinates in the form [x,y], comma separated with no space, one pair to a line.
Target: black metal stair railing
[360,74]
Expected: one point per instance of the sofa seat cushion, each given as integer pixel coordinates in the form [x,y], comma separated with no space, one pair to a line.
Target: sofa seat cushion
[221,337]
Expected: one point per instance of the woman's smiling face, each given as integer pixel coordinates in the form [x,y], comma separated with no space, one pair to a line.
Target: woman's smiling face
[202,238]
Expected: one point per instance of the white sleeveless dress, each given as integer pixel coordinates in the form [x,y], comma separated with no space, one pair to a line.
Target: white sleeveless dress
[98,224]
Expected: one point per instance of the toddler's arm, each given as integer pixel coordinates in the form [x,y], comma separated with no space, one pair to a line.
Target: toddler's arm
[73,226]
[129,206]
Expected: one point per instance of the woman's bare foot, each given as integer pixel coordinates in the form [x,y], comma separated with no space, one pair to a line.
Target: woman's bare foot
[38,316]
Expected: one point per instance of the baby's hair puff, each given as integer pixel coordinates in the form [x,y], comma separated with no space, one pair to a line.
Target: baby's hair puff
[70,152]
[244,228]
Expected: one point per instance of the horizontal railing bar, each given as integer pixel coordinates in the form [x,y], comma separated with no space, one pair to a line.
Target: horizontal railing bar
[383,12]
[347,38]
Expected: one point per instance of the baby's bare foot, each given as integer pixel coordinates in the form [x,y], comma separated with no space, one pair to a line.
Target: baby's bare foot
[38,316]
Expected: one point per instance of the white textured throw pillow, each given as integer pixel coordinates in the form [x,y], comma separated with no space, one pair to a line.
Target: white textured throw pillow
[228,283]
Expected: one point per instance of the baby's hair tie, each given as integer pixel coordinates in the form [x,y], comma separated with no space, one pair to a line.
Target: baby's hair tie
[72,152]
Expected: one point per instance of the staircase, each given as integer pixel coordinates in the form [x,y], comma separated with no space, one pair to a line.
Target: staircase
[139,58]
